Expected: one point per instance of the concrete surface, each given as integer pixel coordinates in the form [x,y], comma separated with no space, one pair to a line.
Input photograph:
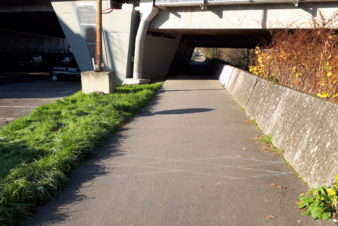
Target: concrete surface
[77,19]
[103,82]
[303,126]
[120,27]
[132,81]
[21,93]
[158,55]
[189,159]
[237,17]
[79,37]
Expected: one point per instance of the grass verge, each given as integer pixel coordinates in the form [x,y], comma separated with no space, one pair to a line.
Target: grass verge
[37,152]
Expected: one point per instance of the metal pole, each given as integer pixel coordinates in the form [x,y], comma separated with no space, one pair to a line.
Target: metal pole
[99,36]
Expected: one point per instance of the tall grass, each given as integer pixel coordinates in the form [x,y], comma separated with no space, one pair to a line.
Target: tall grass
[37,152]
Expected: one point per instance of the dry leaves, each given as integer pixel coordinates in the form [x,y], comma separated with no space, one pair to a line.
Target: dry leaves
[270,217]
[277,186]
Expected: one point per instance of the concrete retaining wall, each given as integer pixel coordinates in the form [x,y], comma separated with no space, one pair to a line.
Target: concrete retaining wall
[304,127]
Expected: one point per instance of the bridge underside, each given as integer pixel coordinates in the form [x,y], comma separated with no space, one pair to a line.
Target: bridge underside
[222,38]
[30,33]
[227,26]
[169,51]
[26,6]
[31,22]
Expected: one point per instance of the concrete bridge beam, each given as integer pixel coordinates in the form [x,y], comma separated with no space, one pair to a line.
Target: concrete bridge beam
[235,17]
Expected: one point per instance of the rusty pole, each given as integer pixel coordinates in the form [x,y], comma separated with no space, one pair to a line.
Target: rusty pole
[99,36]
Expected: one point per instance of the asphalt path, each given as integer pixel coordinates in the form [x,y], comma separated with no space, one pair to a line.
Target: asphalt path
[191,158]
[20,94]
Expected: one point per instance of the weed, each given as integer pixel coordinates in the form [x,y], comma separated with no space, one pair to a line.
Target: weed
[266,139]
[242,109]
[253,121]
[38,151]
[320,203]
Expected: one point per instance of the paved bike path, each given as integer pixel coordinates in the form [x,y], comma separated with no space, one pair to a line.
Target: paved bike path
[190,158]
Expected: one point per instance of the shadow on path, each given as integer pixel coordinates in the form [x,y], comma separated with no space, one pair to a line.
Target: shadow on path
[180,111]
[88,171]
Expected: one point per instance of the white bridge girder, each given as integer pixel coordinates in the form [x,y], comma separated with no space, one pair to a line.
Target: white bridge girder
[234,17]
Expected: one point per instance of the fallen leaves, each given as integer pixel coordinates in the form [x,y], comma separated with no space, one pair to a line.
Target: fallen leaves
[277,186]
[267,148]
[270,217]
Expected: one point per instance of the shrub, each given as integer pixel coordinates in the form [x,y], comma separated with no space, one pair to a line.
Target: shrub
[305,60]
[237,57]
[211,53]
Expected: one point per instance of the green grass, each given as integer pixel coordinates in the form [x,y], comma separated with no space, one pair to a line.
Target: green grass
[38,151]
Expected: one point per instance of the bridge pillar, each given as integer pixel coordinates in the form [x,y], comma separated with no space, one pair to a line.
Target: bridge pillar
[78,21]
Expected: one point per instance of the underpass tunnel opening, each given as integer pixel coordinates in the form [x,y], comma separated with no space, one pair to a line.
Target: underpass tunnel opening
[203,54]
[205,61]
[237,57]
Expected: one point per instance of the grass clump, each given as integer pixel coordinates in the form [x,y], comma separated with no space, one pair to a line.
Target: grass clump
[269,146]
[37,152]
[319,203]
[253,121]
[266,139]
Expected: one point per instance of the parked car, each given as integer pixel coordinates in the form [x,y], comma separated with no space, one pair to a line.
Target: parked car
[66,69]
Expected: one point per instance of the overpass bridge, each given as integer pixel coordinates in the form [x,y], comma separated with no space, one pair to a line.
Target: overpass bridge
[143,41]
